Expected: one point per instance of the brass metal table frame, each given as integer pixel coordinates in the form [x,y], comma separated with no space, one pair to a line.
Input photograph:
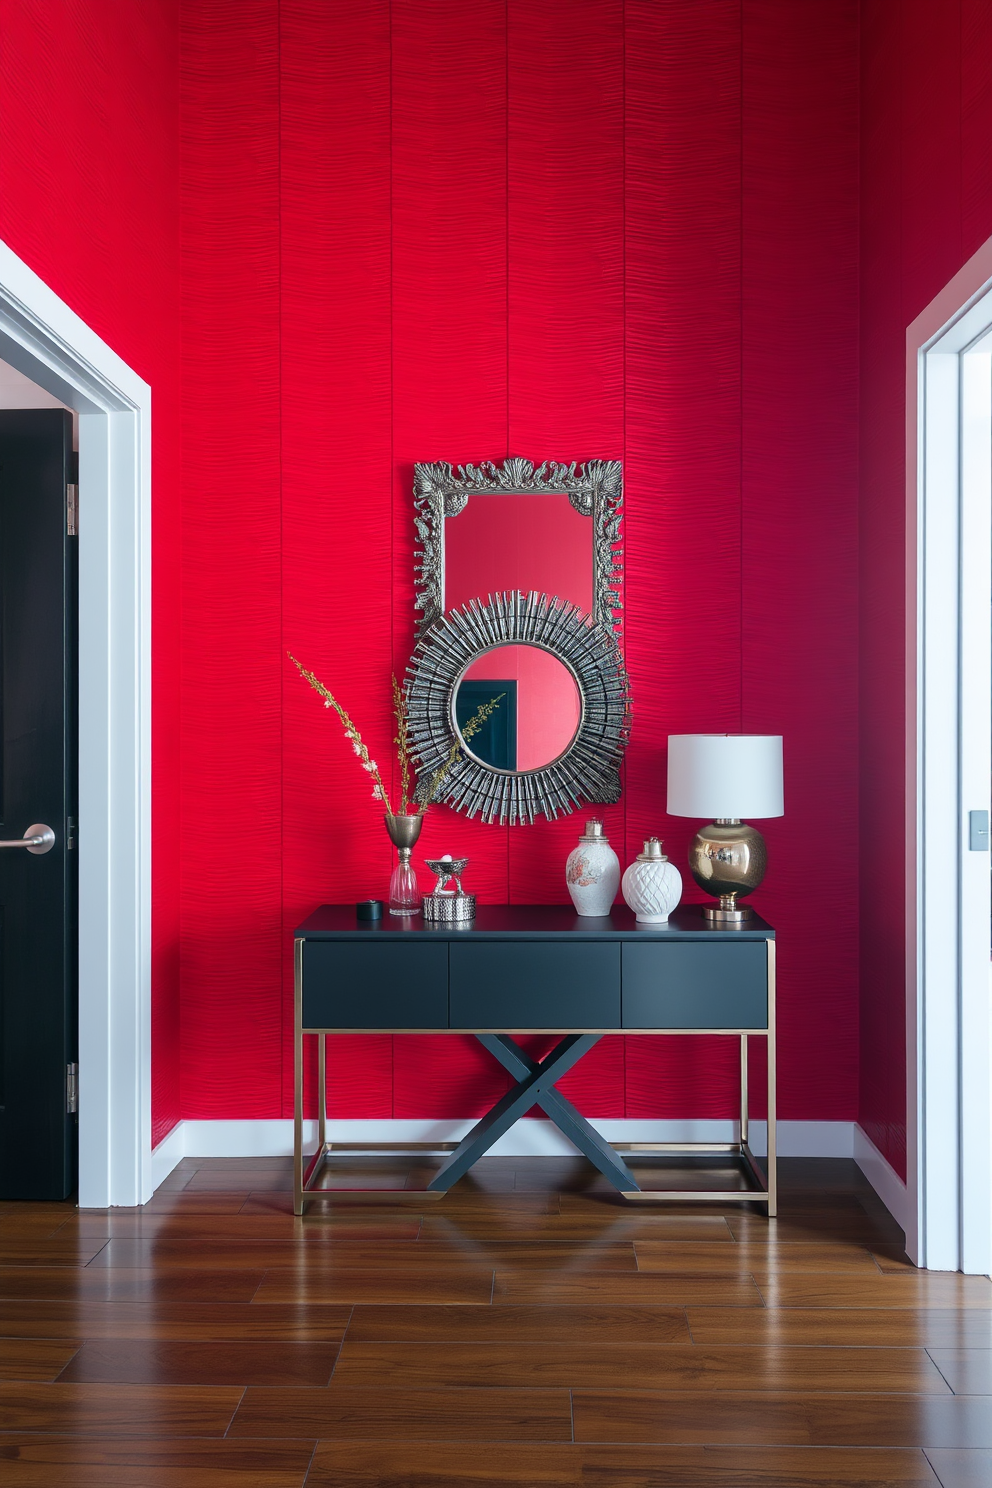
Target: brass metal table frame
[531,1089]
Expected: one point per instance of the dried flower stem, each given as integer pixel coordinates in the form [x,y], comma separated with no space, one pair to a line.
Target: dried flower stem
[402,740]
[355,738]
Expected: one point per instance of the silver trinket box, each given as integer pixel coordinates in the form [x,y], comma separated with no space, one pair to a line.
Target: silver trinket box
[444,905]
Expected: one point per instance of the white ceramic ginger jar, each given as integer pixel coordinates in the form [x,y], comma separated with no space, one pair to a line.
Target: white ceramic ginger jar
[592,872]
[652,886]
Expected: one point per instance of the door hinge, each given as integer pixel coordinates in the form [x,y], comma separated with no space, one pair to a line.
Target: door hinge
[71,1089]
[72,510]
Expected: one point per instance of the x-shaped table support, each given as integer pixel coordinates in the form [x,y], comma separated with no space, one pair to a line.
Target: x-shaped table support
[535,1087]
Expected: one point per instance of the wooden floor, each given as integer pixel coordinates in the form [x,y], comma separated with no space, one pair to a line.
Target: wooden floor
[529,1329]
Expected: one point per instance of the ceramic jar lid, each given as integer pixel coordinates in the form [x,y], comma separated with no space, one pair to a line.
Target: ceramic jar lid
[594,831]
[652,852]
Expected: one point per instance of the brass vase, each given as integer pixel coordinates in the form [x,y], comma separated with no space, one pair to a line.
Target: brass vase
[404,890]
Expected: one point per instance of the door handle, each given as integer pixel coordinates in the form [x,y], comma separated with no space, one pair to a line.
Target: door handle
[37,839]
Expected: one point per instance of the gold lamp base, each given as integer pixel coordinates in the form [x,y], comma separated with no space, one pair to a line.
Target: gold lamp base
[727,912]
[728,859]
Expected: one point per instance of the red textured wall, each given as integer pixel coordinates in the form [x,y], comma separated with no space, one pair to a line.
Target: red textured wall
[926,205]
[89,198]
[447,231]
[421,240]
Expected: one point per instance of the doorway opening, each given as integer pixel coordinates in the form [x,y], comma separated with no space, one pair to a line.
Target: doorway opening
[949,763]
[46,342]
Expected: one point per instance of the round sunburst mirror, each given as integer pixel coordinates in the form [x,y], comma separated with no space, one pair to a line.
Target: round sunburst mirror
[554,690]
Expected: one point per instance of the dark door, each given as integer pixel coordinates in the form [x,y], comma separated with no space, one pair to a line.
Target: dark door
[37,787]
[496,741]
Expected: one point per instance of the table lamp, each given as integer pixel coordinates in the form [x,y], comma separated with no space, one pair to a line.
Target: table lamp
[727,777]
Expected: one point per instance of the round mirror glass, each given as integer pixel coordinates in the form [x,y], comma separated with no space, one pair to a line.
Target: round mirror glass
[537,714]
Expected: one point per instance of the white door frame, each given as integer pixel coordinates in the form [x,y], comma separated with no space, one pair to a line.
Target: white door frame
[44,339]
[948,764]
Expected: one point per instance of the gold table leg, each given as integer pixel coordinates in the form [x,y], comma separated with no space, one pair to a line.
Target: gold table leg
[744,1101]
[298,1078]
[772,1142]
[321,1091]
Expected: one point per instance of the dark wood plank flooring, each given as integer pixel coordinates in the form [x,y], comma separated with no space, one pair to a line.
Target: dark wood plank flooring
[530,1329]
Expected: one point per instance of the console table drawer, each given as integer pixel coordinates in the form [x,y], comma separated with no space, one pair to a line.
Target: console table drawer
[373,984]
[535,985]
[706,985]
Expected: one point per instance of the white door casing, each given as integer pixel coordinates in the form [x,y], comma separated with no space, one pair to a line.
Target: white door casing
[44,339]
[948,764]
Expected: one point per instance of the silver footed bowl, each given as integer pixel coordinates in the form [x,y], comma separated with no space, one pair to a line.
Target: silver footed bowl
[446,870]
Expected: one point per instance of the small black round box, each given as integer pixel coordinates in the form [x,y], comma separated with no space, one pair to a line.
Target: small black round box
[369,909]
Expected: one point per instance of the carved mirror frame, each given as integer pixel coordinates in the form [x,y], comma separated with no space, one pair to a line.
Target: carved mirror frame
[587,772]
[594,490]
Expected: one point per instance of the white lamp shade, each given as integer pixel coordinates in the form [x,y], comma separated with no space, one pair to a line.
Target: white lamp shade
[725,775]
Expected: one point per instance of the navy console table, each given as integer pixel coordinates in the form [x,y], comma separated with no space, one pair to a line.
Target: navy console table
[521,969]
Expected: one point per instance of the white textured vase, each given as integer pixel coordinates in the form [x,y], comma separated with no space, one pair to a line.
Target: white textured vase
[592,872]
[652,886]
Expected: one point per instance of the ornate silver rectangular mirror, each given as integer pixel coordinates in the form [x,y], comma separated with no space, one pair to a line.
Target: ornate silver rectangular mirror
[518,571]
[493,529]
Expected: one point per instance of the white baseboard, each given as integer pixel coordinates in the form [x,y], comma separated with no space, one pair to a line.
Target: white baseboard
[169,1152]
[883,1178]
[528,1138]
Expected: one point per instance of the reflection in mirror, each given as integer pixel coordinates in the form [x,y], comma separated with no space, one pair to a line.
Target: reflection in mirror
[522,541]
[539,711]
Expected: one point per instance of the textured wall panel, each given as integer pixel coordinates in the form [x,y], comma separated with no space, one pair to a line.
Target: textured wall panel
[449,373]
[565,326]
[930,148]
[491,239]
[799,464]
[976,123]
[513,228]
[882,1097]
[233,666]
[925,208]
[682,376]
[336,500]
[89,198]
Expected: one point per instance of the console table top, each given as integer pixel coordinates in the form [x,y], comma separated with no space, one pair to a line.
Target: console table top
[527,922]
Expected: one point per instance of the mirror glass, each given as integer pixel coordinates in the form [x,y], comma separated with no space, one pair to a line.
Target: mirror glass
[538,714]
[530,541]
